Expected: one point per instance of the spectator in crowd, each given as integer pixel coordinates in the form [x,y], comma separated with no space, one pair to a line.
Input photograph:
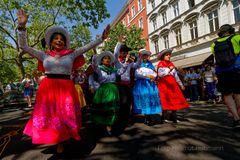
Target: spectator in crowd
[187,84]
[1,89]
[10,87]
[210,83]
[193,79]
[28,84]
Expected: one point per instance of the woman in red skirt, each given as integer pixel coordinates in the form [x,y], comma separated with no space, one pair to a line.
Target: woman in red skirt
[169,85]
[57,114]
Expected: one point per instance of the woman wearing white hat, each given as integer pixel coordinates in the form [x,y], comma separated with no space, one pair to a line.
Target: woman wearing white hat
[171,96]
[145,92]
[57,115]
[106,101]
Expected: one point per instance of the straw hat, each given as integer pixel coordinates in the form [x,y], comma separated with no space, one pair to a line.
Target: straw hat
[57,29]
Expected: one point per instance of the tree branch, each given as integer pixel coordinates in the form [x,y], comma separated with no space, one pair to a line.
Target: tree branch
[40,34]
[10,46]
[5,31]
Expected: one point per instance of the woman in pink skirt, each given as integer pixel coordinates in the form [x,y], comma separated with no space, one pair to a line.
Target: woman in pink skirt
[57,114]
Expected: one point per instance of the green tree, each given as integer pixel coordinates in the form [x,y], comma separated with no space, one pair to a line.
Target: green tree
[75,15]
[132,37]
[7,73]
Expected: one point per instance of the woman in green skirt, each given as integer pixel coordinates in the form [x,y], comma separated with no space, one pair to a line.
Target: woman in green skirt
[106,100]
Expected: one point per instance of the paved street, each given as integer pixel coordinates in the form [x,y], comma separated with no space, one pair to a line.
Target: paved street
[203,133]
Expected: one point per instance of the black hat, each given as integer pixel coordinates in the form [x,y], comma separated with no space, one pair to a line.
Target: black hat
[125,48]
[226,28]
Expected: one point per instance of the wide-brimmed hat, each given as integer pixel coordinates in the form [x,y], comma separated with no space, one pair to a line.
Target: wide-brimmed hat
[57,29]
[105,53]
[144,51]
[163,52]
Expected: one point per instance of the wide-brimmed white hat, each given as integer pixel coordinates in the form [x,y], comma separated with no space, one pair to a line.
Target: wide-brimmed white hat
[144,51]
[57,29]
[105,53]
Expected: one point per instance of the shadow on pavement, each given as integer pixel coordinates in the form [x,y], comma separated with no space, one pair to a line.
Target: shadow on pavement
[203,133]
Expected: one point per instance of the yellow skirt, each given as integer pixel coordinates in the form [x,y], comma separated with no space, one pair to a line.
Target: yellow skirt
[80,95]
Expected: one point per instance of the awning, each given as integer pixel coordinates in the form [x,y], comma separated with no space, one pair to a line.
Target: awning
[191,61]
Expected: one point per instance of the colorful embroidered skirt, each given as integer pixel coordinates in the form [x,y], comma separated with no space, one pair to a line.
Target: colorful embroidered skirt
[57,114]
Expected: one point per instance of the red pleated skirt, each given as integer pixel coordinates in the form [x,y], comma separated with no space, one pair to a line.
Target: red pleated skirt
[57,114]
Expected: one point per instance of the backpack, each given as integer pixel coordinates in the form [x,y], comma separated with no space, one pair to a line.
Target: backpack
[224,53]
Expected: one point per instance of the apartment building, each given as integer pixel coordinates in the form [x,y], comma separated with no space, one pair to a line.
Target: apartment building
[188,26]
[134,13]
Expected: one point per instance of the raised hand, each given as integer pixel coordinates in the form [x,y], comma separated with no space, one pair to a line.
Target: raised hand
[106,32]
[22,18]
[121,38]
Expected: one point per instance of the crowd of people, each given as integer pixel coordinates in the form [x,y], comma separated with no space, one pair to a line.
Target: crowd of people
[200,83]
[115,86]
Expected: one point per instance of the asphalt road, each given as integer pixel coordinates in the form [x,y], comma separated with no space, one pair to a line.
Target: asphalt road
[203,133]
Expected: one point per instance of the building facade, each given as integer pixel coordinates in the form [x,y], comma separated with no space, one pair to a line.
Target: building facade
[188,26]
[134,13]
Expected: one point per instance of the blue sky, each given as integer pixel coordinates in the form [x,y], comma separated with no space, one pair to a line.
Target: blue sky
[113,7]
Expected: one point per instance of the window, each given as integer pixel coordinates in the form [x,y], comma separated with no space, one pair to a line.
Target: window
[153,4]
[141,23]
[133,11]
[156,46]
[154,21]
[193,29]
[176,9]
[213,21]
[236,10]
[166,41]
[178,36]
[128,18]
[191,3]
[140,5]
[124,22]
[164,17]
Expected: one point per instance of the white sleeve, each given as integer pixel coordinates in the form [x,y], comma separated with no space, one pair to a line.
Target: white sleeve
[87,47]
[116,54]
[175,74]
[22,41]
[163,71]
[140,75]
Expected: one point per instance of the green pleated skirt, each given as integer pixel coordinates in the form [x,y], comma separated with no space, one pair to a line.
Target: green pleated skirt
[105,104]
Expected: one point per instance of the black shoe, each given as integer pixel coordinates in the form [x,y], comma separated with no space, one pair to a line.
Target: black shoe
[149,123]
[175,121]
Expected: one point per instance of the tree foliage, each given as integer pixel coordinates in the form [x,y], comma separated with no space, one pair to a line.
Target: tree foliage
[75,15]
[132,37]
